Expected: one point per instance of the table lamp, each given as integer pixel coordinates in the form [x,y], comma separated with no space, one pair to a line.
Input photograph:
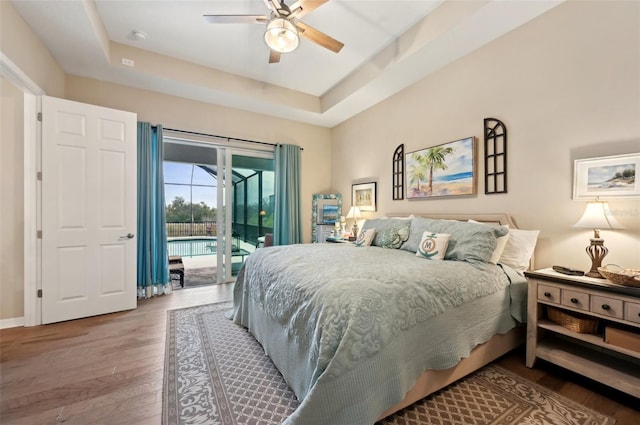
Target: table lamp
[355,214]
[597,216]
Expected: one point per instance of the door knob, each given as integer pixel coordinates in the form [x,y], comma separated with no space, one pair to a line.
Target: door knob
[127,236]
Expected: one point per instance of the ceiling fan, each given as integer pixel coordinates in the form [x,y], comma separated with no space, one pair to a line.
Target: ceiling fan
[283,27]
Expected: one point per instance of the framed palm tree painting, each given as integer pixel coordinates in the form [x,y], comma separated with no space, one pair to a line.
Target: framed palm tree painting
[443,170]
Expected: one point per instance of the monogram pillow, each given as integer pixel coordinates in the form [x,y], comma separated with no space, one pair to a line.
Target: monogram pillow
[433,245]
[365,237]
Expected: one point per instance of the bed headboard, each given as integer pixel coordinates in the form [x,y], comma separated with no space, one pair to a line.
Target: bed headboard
[491,218]
[488,218]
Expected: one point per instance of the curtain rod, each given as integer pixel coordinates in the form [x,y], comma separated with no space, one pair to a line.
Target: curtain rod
[222,137]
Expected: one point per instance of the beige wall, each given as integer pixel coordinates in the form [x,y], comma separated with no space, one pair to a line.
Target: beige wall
[11,206]
[567,86]
[184,114]
[21,46]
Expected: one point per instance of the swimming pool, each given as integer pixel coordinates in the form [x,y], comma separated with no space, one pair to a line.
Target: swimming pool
[192,247]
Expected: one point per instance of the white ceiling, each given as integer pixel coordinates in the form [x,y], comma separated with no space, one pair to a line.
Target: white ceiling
[388,46]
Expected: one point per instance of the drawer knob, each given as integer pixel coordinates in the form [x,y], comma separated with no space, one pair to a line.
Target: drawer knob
[606,307]
[547,294]
[574,300]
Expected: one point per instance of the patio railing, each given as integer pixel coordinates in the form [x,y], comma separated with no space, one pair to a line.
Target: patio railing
[246,232]
[206,228]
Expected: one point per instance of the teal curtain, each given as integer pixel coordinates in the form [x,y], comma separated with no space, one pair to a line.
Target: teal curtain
[287,227]
[153,262]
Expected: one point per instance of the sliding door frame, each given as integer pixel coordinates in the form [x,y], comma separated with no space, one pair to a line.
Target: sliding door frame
[224,191]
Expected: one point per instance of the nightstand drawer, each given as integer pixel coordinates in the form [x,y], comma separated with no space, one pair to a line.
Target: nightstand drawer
[549,293]
[606,306]
[575,299]
[632,312]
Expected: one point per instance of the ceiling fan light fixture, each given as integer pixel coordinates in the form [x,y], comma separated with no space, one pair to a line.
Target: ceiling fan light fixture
[281,35]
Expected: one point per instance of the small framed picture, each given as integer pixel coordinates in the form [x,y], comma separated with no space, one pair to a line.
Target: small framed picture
[606,177]
[363,196]
[329,214]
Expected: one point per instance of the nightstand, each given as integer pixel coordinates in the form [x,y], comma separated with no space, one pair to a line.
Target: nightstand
[616,308]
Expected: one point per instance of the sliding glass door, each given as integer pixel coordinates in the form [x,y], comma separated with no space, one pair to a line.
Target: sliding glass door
[252,201]
[247,197]
[219,205]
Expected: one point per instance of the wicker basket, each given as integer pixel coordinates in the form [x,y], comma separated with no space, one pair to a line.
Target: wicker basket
[620,276]
[573,321]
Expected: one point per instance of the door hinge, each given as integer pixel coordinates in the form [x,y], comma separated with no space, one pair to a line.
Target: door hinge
[40,116]
[39,293]
[39,234]
[39,175]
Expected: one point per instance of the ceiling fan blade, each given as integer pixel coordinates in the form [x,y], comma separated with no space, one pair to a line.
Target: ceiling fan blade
[302,7]
[235,19]
[274,57]
[319,37]
[273,5]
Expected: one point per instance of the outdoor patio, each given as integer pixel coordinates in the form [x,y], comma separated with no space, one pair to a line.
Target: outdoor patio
[201,270]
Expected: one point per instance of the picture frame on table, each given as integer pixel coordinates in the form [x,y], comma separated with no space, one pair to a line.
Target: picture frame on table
[606,177]
[320,229]
[363,196]
[330,214]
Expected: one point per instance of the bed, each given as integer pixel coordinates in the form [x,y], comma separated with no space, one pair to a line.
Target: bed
[359,332]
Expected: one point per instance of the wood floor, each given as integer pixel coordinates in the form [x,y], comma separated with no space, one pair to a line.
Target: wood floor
[109,369]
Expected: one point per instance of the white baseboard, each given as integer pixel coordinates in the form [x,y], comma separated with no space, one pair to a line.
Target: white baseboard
[13,322]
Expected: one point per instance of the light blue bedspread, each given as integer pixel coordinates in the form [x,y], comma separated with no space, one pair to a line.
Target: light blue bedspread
[352,328]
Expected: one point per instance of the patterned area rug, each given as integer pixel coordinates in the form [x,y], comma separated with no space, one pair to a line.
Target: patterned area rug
[217,373]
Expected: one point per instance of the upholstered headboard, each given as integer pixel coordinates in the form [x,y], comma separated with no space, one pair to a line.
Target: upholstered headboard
[490,218]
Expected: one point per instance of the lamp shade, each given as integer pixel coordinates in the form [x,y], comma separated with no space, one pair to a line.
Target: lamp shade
[354,212]
[281,35]
[597,215]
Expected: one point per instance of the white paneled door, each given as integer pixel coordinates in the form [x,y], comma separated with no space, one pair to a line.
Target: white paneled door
[88,210]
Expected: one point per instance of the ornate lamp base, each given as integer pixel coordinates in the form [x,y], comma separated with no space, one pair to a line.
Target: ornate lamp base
[596,251]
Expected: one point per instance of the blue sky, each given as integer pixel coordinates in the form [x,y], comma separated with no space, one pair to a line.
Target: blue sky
[175,172]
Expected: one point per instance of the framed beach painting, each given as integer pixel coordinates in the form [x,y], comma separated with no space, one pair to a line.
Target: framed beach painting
[443,170]
[606,177]
[363,196]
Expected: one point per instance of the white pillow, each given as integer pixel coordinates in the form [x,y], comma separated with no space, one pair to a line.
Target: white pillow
[366,237]
[433,246]
[519,249]
[501,243]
